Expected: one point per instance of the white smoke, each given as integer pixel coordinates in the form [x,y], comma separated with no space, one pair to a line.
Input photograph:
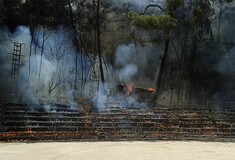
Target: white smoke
[21,35]
[226,67]
[58,66]
[124,55]
[102,97]
[227,63]
[55,65]
[136,64]
[126,73]
[128,63]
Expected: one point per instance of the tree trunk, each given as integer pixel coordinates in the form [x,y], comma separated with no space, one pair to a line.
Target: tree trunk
[30,51]
[98,40]
[192,63]
[182,69]
[42,52]
[161,63]
[44,39]
[193,58]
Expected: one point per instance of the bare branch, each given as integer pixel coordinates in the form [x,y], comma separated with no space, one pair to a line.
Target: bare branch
[151,6]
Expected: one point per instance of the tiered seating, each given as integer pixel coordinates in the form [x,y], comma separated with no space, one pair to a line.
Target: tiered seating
[60,122]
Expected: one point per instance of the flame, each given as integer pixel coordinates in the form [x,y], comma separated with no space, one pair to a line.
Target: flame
[129,89]
[151,90]
[30,130]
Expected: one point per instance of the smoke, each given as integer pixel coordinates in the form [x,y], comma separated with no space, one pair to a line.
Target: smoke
[48,71]
[124,55]
[227,63]
[21,35]
[226,68]
[136,64]
[133,65]
[126,73]
[102,97]
[225,91]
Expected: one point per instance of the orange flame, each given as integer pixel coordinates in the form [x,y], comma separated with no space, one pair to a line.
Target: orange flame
[129,89]
[151,90]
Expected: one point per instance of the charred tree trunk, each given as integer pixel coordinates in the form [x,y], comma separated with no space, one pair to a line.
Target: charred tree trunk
[98,40]
[193,58]
[219,24]
[79,44]
[191,72]
[182,69]
[162,62]
[76,44]
[198,36]
[30,51]
[44,38]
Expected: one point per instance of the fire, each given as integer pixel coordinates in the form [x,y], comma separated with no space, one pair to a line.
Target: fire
[151,90]
[129,89]
[30,130]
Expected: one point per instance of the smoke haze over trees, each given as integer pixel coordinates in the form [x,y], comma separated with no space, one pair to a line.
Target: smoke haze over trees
[183,46]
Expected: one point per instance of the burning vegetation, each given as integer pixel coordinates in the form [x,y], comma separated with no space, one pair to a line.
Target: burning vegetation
[93,63]
[69,51]
[130,89]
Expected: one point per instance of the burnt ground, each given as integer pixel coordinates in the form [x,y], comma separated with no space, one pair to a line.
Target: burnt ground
[62,123]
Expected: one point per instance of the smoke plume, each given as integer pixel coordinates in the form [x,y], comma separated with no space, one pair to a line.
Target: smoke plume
[47,66]
[136,64]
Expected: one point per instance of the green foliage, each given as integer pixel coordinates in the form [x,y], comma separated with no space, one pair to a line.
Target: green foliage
[148,22]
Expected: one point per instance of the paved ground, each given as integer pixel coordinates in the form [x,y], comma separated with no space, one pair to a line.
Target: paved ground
[159,150]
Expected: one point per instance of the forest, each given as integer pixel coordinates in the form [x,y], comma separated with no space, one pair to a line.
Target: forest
[183,49]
